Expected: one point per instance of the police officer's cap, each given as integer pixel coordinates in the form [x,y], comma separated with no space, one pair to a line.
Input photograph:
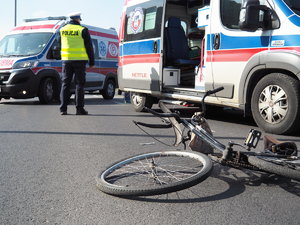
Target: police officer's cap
[75,15]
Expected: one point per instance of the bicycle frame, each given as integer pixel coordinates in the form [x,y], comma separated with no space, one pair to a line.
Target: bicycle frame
[199,131]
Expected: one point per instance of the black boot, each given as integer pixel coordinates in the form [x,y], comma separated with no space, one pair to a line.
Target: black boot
[81,111]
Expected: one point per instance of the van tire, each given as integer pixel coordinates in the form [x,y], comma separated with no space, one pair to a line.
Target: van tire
[284,116]
[109,89]
[47,91]
[139,101]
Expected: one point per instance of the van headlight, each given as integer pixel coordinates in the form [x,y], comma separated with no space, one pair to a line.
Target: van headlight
[25,64]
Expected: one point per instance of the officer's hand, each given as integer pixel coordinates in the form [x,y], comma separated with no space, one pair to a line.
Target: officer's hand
[92,66]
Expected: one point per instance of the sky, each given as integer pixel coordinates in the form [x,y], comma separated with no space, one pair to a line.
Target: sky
[99,13]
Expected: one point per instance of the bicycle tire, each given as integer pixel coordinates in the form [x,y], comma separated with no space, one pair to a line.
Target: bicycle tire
[146,174]
[271,165]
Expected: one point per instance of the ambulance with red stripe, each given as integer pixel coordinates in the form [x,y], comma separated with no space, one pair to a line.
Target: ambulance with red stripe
[178,49]
[31,66]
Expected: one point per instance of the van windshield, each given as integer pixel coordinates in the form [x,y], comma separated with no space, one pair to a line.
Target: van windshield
[27,44]
[294,5]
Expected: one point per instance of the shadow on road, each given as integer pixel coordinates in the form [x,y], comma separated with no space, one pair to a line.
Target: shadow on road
[287,184]
[197,193]
[88,101]
[234,189]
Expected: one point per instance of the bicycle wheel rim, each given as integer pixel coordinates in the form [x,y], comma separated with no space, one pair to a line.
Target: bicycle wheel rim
[286,169]
[131,176]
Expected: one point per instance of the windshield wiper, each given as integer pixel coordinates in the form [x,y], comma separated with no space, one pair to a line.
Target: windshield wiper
[13,55]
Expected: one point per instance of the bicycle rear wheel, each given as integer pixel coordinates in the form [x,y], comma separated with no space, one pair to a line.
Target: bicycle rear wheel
[283,167]
[155,173]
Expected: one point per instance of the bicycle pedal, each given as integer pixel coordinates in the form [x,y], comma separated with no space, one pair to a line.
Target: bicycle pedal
[252,139]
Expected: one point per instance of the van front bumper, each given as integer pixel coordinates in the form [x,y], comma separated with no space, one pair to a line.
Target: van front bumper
[22,83]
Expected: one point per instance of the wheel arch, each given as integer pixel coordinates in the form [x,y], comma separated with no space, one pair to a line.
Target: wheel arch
[50,73]
[106,90]
[111,76]
[261,65]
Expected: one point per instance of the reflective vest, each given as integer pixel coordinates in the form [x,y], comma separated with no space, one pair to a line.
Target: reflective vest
[72,43]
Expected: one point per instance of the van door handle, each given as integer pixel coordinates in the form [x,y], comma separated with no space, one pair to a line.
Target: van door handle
[155,47]
[217,41]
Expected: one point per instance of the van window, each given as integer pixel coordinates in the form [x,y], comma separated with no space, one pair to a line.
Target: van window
[54,50]
[24,44]
[294,5]
[143,21]
[95,47]
[230,13]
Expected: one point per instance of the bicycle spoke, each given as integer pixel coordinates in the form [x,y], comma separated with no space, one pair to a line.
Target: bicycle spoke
[154,171]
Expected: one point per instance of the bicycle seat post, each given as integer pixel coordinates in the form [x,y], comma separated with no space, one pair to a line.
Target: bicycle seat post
[227,152]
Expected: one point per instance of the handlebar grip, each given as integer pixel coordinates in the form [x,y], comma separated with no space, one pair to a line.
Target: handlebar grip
[215,91]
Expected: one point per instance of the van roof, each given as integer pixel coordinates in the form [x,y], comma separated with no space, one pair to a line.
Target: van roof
[42,26]
[52,24]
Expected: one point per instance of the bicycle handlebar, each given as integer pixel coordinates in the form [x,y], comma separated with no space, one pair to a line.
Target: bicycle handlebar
[175,120]
[153,125]
[175,115]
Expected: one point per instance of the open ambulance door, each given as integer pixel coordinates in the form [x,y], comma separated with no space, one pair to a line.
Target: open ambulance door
[140,60]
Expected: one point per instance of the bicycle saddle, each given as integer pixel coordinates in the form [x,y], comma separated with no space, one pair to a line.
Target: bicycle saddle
[287,148]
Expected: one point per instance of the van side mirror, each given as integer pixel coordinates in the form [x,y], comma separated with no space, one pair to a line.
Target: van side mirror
[254,16]
[56,52]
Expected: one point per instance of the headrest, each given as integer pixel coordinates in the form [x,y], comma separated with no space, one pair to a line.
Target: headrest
[174,22]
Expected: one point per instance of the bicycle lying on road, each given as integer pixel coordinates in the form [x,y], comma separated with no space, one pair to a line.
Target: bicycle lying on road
[169,171]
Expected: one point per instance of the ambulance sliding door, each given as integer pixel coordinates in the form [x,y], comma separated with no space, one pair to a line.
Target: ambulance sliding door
[140,57]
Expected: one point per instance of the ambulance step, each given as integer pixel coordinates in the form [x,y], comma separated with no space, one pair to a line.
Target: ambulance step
[176,89]
[183,94]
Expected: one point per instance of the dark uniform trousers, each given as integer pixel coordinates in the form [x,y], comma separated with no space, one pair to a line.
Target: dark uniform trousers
[70,69]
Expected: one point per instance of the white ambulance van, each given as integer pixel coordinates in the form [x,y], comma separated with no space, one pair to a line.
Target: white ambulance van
[178,49]
[30,63]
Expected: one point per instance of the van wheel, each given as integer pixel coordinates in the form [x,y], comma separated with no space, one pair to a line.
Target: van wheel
[109,89]
[139,101]
[275,103]
[46,92]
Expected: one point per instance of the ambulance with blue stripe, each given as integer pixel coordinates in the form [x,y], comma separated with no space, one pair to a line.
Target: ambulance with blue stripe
[178,49]
[31,66]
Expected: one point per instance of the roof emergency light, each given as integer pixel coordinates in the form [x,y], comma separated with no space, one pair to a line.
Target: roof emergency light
[46,18]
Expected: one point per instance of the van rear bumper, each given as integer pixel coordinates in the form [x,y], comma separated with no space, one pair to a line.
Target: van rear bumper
[18,84]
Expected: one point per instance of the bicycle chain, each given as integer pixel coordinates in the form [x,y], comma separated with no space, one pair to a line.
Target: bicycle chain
[233,164]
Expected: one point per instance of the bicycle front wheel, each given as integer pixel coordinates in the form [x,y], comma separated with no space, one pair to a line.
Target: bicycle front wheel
[155,173]
[284,167]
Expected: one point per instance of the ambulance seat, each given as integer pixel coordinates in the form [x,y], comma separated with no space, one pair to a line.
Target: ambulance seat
[177,49]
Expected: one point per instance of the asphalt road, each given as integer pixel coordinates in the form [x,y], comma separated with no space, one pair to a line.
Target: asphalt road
[48,165]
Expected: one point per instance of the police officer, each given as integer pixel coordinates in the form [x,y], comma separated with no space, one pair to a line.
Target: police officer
[76,51]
